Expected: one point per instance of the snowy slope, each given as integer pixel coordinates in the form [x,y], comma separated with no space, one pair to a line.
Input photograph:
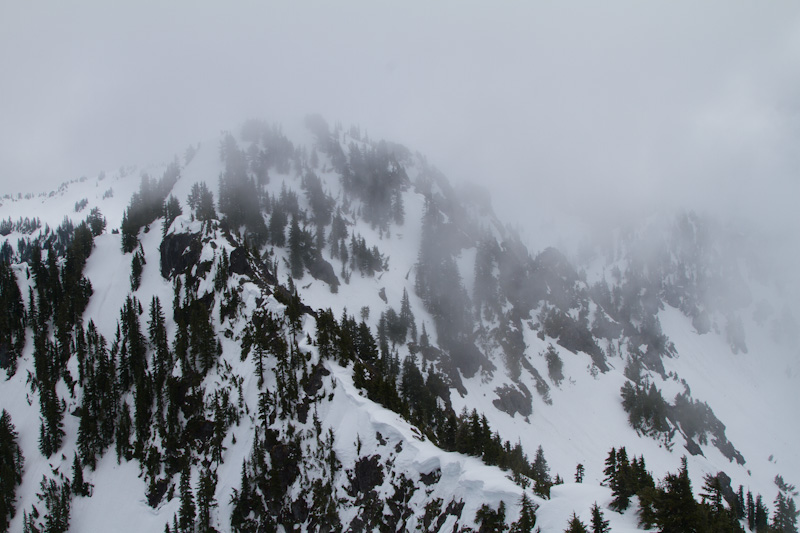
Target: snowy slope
[580,423]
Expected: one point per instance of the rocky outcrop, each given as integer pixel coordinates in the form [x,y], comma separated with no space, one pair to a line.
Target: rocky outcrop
[179,253]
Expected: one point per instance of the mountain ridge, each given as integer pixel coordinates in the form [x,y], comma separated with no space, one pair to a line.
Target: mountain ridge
[493,315]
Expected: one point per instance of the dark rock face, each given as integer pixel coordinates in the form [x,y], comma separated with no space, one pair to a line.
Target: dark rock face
[323,271]
[5,355]
[469,359]
[314,383]
[179,253]
[285,459]
[512,401]
[285,297]
[432,477]
[692,447]
[239,264]
[367,474]
[453,509]
[157,493]
[554,279]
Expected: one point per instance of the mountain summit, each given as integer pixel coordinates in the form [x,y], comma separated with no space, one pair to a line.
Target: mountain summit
[323,333]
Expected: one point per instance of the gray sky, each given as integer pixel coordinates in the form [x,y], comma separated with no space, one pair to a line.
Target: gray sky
[600,108]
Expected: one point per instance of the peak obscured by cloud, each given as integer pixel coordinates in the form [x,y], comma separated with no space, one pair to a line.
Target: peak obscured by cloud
[584,111]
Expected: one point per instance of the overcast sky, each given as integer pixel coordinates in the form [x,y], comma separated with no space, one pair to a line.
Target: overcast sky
[577,107]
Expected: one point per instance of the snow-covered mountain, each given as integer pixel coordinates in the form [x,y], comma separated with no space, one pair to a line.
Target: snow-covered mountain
[322,333]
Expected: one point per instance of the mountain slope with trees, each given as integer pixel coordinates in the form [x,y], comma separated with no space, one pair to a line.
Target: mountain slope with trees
[332,337]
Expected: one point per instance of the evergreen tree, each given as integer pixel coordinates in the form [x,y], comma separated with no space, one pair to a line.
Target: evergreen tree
[295,250]
[712,492]
[100,401]
[146,205]
[527,516]
[96,221]
[12,319]
[555,366]
[130,233]
[740,505]
[137,267]
[162,357]
[491,521]
[277,226]
[676,509]
[170,211]
[785,517]
[79,486]
[575,525]
[320,202]
[641,479]
[779,517]
[51,431]
[207,484]
[622,488]
[123,434]
[423,338]
[187,509]
[201,201]
[239,196]
[398,209]
[762,516]
[541,474]
[579,471]
[11,463]
[611,469]
[599,524]
[56,499]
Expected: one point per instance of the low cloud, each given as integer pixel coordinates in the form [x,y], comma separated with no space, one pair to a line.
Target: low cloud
[577,111]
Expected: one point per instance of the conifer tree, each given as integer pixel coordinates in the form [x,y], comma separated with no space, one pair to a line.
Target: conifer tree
[205,500]
[740,505]
[611,469]
[79,486]
[201,201]
[96,222]
[423,338]
[398,209]
[51,431]
[11,463]
[491,521]
[137,267]
[623,486]
[599,524]
[575,525]
[762,516]
[12,319]
[56,499]
[712,493]
[785,517]
[527,516]
[555,365]
[277,226]
[187,509]
[123,434]
[170,211]
[676,509]
[162,358]
[541,474]
[295,250]
[579,471]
